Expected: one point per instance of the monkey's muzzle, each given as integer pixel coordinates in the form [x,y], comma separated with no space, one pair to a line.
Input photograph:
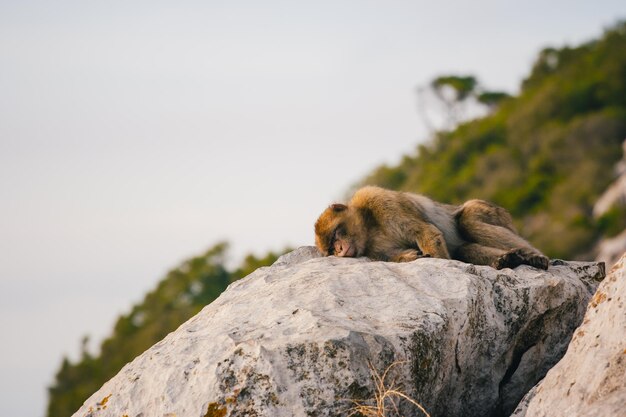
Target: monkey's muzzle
[347,251]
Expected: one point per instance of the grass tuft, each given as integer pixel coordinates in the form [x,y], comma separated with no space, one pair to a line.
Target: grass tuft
[386,397]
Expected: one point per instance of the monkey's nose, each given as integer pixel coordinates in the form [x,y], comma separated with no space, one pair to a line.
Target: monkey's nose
[346,250]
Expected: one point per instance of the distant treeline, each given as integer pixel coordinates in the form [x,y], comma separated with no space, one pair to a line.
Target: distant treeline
[546,155]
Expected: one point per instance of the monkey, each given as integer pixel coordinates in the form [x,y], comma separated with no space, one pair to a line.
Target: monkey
[396,226]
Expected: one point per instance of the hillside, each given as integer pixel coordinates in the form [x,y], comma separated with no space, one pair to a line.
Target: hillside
[546,155]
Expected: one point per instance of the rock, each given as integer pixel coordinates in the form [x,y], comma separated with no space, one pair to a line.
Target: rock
[615,194]
[611,249]
[305,336]
[590,380]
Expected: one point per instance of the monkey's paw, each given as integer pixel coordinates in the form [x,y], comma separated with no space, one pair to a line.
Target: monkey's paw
[408,256]
[519,256]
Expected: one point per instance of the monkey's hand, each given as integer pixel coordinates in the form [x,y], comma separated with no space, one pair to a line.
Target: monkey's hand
[408,256]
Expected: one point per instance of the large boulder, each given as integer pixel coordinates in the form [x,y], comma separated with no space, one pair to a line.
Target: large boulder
[590,380]
[309,335]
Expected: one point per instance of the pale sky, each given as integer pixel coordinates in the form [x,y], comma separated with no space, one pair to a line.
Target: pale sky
[134,134]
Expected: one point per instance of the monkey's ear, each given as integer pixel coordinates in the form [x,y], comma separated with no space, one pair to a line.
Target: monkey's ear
[338,207]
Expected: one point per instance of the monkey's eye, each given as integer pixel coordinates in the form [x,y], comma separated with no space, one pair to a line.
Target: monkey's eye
[331,241]
[339,231]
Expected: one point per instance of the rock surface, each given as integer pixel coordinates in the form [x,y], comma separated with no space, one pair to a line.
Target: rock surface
[611,249]
[590,380]
[298,339]
[615,194]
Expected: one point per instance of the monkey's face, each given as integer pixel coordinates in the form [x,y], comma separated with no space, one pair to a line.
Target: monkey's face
[336,232]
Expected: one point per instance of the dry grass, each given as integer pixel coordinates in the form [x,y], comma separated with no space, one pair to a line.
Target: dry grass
[386,397]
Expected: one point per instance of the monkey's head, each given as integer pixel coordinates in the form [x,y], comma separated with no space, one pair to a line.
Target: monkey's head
[339,232]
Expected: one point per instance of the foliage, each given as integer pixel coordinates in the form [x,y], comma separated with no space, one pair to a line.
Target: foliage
[183,292]
[546,155]
[492,98]
[462,86]
[613,221]
[450,99]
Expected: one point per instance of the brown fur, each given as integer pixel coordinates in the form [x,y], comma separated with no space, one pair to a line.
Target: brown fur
[400,227]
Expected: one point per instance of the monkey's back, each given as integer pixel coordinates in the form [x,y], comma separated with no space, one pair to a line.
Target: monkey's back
[442,216]
[394,208]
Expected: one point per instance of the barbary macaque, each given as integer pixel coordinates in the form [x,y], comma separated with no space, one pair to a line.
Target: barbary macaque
[395,226]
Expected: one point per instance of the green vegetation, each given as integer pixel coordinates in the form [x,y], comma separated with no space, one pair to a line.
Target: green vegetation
[546,155]
[451,97]
[461,86]
[183,292]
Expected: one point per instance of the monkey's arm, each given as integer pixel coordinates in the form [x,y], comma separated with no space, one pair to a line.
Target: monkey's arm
[430,240]
[407,255]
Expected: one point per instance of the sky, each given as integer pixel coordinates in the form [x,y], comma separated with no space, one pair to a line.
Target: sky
[135,134]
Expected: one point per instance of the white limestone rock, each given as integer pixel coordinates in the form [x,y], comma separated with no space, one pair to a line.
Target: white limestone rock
[590,380]
[611,249]
[296,339]
[615,194]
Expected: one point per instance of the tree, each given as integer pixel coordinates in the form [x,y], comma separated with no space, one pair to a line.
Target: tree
[451,99]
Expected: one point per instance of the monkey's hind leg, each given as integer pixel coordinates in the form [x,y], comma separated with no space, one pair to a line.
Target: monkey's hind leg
[475,253]
[491,227]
